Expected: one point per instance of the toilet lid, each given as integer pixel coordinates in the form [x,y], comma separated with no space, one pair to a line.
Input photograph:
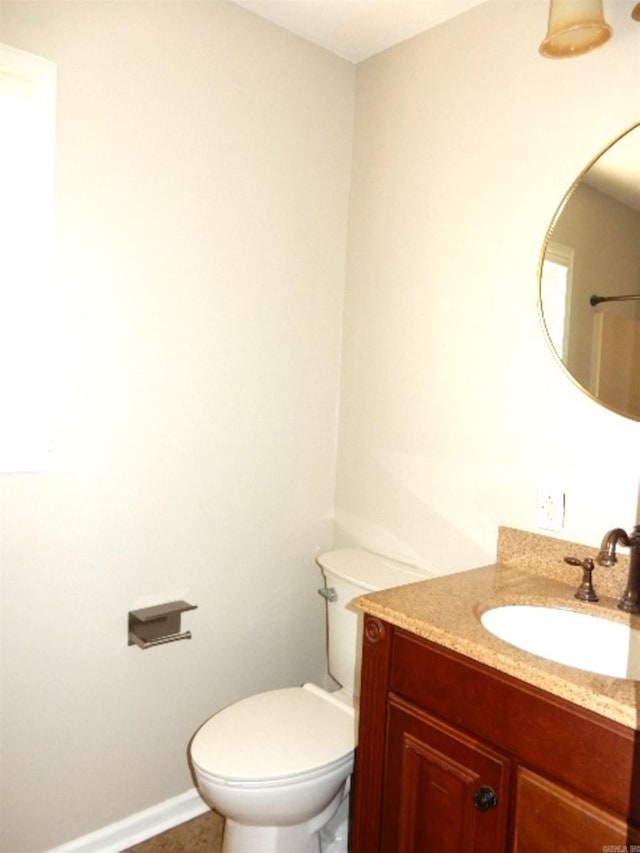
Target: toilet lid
[275,734]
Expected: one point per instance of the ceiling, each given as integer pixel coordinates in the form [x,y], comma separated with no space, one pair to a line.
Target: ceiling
[357,29]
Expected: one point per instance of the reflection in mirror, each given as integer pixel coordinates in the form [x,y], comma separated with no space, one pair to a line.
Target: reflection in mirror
[589,282]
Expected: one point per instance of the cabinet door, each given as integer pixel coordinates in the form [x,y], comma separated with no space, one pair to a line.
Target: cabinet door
[444,792]
[550,819]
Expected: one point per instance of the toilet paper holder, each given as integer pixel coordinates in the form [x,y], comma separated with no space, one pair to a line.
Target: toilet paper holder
[157,625]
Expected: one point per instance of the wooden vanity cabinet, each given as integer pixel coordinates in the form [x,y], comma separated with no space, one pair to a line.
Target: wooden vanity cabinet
[454,756]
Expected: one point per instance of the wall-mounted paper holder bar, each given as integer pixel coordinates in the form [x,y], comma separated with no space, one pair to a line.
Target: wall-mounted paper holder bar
[154,626]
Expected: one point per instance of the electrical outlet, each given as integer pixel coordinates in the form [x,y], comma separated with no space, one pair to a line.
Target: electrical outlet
[550,508]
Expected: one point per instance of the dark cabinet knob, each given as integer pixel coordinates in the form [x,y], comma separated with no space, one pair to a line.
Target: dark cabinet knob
[485,798]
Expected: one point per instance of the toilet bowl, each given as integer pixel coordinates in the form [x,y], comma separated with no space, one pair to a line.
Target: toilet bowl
[276,765]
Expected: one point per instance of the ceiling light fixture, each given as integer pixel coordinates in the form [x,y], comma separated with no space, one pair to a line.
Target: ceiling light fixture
[575,27]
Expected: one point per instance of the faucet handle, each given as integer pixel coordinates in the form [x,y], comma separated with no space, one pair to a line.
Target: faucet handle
[585,591]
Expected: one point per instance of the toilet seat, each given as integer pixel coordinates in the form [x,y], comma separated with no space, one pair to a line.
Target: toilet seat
[275,736]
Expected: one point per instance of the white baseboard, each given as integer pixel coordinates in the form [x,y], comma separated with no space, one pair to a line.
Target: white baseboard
[138,827]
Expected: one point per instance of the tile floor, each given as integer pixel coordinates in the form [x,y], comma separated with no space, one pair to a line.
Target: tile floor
[200,835]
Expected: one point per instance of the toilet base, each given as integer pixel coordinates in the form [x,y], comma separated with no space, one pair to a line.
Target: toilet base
[334,835]
[239,838]
[326,833]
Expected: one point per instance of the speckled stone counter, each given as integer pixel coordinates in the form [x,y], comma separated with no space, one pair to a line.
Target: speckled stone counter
[530,570]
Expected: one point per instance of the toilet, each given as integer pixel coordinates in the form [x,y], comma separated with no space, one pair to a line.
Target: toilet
[277,765]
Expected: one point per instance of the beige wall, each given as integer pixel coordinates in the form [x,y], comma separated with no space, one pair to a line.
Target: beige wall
[453,409]
[203,161]
[203,168]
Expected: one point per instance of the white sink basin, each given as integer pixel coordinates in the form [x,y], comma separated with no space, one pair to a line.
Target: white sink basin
[575,639]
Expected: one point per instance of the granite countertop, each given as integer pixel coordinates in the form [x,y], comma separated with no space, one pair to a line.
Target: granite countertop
[447,610]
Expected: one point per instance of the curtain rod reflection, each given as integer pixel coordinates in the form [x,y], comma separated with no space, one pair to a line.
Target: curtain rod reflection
[596,300]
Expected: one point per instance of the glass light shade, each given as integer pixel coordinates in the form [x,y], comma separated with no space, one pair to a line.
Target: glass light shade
[575,27]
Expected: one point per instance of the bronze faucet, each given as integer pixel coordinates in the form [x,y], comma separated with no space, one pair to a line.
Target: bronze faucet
[630,600]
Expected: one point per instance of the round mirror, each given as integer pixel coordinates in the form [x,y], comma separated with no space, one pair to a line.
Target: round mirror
[589,278]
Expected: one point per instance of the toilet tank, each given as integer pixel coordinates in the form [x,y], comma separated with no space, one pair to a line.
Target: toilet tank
[353,572]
